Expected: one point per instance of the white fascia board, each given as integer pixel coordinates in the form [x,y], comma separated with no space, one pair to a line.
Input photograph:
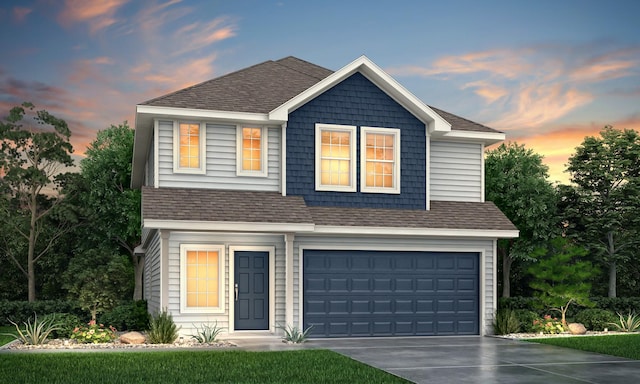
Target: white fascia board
[228,226]
[440,232]
[171,112]
[377,76]
[487,138]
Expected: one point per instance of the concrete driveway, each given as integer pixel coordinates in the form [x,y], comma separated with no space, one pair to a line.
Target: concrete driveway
[483,360]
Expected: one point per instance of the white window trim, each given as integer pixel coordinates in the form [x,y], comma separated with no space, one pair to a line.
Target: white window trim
[183,277]
[363,159]
[353,177]
[264,172]
[176,149]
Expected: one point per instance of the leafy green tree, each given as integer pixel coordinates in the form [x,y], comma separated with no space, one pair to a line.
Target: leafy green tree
[32,154]
[99,279]
[602,208]
[561,276]
[112,207]
[516,181]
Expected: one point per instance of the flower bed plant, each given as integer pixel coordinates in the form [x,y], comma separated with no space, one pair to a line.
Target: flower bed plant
[94,333]
[548,325]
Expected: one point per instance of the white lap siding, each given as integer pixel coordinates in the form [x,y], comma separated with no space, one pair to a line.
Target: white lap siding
[151,282]
[220,161]
[456,171]
[187,320]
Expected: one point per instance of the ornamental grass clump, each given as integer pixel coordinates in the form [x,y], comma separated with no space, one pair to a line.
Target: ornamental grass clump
[162,329]
[36,332]
[94,333]
[506,322]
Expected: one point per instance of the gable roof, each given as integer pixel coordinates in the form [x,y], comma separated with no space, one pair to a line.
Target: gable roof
[266,93]
[206,209]
[256,89]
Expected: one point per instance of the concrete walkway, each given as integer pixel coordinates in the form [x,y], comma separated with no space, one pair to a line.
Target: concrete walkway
[483,360]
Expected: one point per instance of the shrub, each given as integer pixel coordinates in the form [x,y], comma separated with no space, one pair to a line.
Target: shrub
[618,304]
[549,325]
[631,323]
[528,303]
[162,329]
[67,322]
[207,334]
[35,333]
[595,319]
[22,311]
[526,319]
[128,316]
[294,335]
[94,333]
[505,322]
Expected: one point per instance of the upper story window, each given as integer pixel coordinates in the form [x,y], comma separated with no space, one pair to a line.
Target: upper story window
[335,158]
[252,151]
[380,160]
[202,278]
[189,150]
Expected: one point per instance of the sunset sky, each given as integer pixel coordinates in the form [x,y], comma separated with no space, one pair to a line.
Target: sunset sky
[547,73]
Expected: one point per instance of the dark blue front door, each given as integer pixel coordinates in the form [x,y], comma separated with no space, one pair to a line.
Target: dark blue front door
[252,290]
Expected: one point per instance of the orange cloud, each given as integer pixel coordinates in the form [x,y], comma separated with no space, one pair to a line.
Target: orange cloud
[489,92]
[505,63]
[560,142]
[538,104]
[98,14]
[603,71]
[21,13]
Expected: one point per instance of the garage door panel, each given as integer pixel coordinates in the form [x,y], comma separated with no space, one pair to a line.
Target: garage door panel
[363,293]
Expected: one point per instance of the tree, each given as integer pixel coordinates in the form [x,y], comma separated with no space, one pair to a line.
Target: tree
[561,277]
[603,206]
[31,158]
[516,181]
[112,206]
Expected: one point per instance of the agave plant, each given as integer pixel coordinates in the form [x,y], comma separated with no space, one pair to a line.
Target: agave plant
[294,335]
[207,333]
[630,323]
[36,332]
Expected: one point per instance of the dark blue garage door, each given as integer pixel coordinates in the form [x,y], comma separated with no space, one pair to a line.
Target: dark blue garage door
[380,293]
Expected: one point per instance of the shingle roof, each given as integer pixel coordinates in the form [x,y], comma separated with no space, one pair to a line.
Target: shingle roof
[193,204]
[461,124]
[442,215]
[257,89]
[263,87]
[271,207]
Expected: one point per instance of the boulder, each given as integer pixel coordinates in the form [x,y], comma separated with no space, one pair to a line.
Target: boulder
[132,338]
[577,329]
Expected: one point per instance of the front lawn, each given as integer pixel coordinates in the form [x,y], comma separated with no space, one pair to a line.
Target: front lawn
[306,366]
[4,339]
[616,345]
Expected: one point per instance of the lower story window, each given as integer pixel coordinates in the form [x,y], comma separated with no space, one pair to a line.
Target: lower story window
[201,275]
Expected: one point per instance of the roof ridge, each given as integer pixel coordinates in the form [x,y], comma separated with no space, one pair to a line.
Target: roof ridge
[280,62]
[205,82]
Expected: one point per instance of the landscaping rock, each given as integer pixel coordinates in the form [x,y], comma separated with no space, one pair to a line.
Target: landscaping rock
[577,329]
[132,338]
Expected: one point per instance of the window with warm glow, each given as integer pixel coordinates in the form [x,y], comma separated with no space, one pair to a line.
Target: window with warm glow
[252,153]
[201,274]
[335,157]
[189,151]
[380,160]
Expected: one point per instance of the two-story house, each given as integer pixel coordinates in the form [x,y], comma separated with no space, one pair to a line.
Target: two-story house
[287,194]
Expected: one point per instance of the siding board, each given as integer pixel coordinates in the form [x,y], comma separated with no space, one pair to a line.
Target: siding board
[456,171]
[220,159]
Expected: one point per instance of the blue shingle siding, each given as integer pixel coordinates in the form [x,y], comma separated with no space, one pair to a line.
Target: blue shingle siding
[356,101]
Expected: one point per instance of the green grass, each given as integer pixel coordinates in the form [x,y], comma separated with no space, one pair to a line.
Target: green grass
[306,366]
[6,329]
[616,345]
